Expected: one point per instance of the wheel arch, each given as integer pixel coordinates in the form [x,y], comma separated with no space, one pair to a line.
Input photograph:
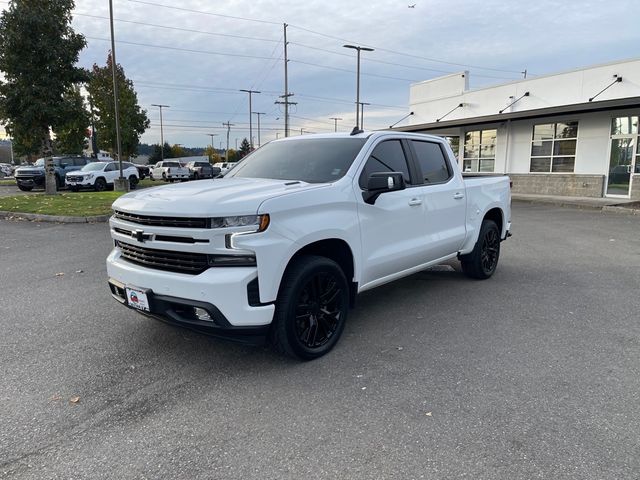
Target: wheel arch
[496,214]
[337,250]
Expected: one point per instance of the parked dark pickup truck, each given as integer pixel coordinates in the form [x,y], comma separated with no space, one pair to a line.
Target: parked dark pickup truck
[31,176]
[202,169]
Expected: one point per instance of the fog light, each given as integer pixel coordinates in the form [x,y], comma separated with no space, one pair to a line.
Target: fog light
[202,314]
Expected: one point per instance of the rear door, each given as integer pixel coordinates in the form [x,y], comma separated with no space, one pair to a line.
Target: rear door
[443,198]
[111,172]
[393,228]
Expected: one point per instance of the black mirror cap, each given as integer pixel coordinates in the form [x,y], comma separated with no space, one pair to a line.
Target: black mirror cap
[382,182]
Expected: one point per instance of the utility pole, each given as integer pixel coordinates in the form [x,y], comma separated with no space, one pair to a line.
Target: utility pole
[335,121]
[358,49]
[226,153]
[161,129]
[258,114]
[286,85]
[122,184]
[286,104]
[250,122]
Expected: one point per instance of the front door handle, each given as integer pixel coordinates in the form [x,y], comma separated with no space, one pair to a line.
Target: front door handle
[415,201]
[458,195]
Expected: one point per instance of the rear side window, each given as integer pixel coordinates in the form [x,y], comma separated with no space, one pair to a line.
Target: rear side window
[80,161]
[431,159]
[111,167]
[388,156]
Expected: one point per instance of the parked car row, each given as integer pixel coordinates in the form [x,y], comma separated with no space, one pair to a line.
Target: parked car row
[6,170]
[77,172]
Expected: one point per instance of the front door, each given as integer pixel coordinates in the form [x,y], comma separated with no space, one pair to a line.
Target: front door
[623,157]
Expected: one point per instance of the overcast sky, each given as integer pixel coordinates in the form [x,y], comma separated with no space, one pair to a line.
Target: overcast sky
[194,55]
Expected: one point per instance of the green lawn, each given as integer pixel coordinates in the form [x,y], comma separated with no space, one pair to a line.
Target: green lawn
[81,204]
[4,181]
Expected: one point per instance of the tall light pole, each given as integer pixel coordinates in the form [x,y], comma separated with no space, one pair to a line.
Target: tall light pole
[358,49]
[258,114]
[335,121]
[250,122]
[122,184]
[161,130]
[212,135]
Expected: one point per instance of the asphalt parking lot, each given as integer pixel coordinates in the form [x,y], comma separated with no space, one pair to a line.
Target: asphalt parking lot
[534,373]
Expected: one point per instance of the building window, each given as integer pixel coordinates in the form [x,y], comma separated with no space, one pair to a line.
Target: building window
[553,148]
[479,151]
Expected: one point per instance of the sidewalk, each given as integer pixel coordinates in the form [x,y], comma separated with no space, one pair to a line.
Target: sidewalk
[604,204]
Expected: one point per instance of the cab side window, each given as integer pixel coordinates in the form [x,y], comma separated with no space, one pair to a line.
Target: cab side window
[434,166]
[110,168]
[388,156]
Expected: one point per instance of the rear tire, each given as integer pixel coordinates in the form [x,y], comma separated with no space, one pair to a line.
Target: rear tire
[311,309]
[133,181]
[482,262]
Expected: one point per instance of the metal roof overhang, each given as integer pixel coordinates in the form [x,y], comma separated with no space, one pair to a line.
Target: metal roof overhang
[617,104]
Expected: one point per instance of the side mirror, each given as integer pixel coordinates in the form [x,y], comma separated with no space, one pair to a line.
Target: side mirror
[382,182]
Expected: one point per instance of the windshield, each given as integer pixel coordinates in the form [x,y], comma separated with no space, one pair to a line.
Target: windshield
[312,160]
[93,166]
[39,163]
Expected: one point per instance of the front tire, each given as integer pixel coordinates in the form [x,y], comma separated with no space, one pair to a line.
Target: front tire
[100,185]
[482,262]
[133,181]
[311,309]
[25,189]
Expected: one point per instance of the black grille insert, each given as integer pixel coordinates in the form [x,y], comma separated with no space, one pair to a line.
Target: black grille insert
[163,221]
[180,262]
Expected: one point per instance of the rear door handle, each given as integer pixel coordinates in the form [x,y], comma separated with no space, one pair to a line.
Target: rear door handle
[415,201]
[458,195]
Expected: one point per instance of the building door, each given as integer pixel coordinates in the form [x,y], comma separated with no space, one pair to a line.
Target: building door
[623,157]
[620,166]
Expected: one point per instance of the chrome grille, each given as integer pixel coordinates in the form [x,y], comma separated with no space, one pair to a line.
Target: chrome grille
[180,262]
[163,221]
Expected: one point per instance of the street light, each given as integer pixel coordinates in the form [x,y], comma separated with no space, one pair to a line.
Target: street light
[161,131]
[335,121]
[358,49]
[250,123]
[212,147]
[258,114]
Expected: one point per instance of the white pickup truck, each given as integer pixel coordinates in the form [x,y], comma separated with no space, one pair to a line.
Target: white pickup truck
[169,170]
[279,248]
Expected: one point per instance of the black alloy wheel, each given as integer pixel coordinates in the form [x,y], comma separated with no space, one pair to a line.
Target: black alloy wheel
[489,251]
[311,309]
[482,262]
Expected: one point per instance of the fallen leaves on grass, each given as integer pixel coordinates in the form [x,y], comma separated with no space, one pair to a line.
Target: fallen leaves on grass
[75,399]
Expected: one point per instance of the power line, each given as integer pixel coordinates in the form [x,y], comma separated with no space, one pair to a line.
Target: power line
[155,25]
[351,71]
[164,47]
[434,60]
[205,13]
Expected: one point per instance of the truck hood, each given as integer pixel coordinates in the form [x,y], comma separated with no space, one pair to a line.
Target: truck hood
[207,198]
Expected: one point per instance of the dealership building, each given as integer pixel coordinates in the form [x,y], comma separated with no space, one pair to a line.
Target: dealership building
[573,133]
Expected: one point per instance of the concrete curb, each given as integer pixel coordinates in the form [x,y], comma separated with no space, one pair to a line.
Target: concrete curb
[36,217]
[559,203]
[621,210]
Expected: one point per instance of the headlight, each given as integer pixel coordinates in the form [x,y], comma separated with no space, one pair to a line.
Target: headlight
[88,176]
[260,222]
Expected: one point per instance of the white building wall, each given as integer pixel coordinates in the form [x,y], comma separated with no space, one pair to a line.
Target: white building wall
[431,99]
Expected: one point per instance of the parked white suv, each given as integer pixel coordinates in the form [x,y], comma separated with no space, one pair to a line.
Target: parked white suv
[280,246]
[100,175]
[224,166]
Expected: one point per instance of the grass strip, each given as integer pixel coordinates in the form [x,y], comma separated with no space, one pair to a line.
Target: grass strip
[81,204]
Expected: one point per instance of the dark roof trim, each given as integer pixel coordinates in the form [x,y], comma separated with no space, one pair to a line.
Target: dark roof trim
[617,104]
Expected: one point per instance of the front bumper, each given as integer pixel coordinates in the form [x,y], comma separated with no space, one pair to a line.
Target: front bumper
[34,181]
[221,292]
